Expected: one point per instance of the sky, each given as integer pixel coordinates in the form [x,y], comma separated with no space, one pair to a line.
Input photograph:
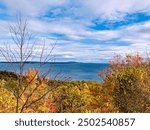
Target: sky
[85,30]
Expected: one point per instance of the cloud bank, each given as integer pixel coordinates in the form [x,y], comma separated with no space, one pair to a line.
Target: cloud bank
[86,30]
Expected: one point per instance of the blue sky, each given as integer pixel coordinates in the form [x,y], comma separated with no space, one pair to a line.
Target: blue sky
[85,30]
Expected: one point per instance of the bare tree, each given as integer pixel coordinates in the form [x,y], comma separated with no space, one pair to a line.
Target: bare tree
[24,51]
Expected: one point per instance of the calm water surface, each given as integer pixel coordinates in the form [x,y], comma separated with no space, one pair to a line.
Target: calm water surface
[76,71]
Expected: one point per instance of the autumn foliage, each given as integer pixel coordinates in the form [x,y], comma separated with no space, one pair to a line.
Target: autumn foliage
[32,88]
[127,81]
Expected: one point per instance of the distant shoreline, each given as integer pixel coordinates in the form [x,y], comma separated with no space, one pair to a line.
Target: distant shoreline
[70,62]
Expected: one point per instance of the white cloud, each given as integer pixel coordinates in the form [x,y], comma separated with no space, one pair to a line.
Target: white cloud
[114,9]
[71,29]
[136,34]
[30,7]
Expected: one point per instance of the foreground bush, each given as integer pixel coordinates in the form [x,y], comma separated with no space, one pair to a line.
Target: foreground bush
[7,99]
[128,83]
[30,92]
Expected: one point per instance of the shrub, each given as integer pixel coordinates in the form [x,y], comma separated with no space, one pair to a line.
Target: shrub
[127,81]
[7,99]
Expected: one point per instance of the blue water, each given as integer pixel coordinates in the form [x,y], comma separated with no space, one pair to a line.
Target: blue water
[71,70]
